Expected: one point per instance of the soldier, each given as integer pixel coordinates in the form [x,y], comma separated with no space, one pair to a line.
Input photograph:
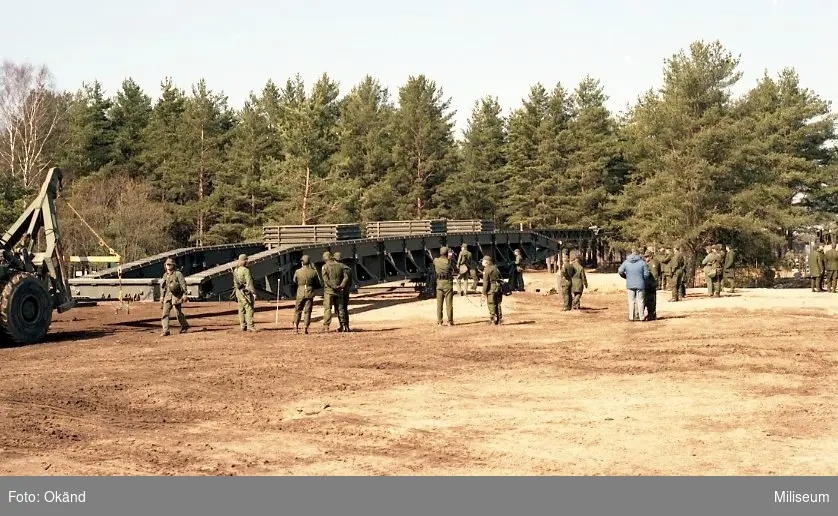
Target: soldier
[716,264]
[492,290]
[709,269]
[816,267]
[708,251]
[334,281]
[173,295]
[566,275]
[344,313]
[823,266]
[728,276]
[663,258]
[245,294]
[650,299]
[444,270]
[676,268]
[307,282]
[466,267]
[831,266]
[579,281]
[519,271]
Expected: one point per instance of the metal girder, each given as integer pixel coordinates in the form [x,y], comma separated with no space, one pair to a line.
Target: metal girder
[189,260]
[373,260]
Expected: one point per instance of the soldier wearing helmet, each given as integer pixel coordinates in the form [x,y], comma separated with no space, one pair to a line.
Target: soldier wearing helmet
[245,294]
[172,295]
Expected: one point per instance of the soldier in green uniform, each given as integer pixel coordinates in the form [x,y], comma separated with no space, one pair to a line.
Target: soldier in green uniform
[816,267]
[307,282]
[709,270]
[579,281]
[566,274]
[172,295]
[650,297]
[676,268]
[245,294]
[334,281]
[466,268]
[831,265]
[663,257]
[344,311]
[444,270]
[729,275]
[492,290]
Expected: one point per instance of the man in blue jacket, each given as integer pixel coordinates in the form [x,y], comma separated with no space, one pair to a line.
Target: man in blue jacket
[635,270]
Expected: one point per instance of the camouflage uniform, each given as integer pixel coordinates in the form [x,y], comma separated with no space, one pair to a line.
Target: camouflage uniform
[578,282]
[245,294]
[172,294]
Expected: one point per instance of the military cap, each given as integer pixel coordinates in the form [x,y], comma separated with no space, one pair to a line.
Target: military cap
[443,250]
[488,259]
[242,257]
[169,261]
[304,260]
[327,256]
[648,254]
[337,255]
[464,246]
[517,251]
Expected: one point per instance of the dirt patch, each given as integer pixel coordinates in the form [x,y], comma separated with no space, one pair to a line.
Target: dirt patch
[739,385]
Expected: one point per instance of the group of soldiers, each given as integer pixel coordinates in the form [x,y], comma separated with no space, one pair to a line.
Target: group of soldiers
[445,272]
[666,268]
[823,268]
[337,283]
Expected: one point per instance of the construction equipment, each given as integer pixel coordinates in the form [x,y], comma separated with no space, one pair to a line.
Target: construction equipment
[33,284]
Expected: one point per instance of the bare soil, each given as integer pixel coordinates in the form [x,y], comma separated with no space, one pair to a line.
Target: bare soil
[742,385]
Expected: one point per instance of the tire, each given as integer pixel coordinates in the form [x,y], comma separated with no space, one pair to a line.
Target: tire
[25,309]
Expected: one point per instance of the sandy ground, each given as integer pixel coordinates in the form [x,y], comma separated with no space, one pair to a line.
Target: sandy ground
[743,385]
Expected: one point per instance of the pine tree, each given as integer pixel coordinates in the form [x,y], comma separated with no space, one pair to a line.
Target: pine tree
[424,152]
[205,132]
[89,134]
[365,143]
[130,114]
[476,190]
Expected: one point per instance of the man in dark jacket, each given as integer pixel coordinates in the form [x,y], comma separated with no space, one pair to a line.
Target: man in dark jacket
[650,298]
[636,272]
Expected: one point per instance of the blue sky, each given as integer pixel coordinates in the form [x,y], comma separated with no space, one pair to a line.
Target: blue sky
[469,48]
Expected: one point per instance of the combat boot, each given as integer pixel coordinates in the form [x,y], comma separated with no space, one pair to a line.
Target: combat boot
[165,333]
[297,328]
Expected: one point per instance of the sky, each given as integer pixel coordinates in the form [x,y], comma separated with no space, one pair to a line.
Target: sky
[470,49]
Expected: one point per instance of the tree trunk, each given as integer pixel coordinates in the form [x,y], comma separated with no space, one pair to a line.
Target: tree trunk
[306,192]
[420,183]
[201,193]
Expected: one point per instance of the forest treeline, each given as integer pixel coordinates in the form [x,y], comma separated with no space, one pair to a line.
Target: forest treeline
[689,163]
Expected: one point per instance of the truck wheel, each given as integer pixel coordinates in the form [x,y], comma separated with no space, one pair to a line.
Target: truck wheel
[25,309]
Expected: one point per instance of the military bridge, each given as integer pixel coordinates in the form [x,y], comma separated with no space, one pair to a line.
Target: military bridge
[390,251]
